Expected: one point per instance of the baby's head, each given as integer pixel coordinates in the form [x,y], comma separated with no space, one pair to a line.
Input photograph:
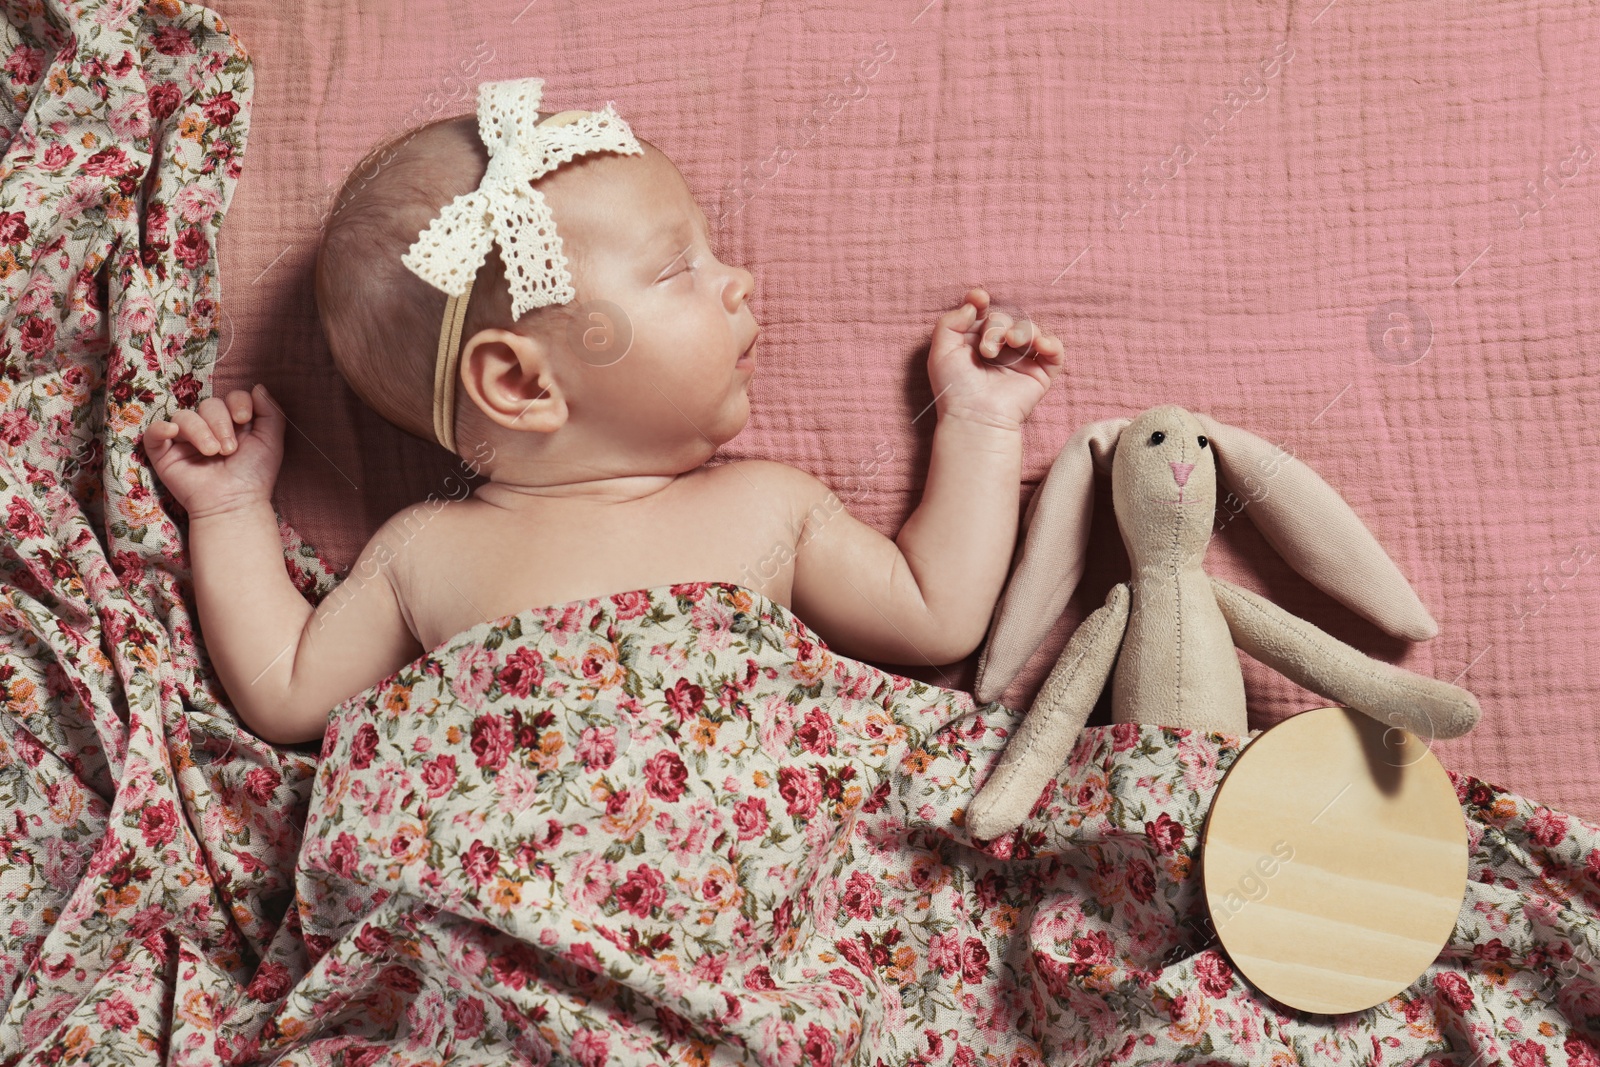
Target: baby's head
[639,374]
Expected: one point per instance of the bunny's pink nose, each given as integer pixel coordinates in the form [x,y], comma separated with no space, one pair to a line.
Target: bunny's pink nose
[1181,471]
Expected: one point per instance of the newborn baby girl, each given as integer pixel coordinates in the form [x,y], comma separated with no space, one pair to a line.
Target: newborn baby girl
[604,355]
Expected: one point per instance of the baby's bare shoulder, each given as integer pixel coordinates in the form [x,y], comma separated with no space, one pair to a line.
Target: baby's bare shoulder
[766,487]
[423,523]
[410,537]
[769,480]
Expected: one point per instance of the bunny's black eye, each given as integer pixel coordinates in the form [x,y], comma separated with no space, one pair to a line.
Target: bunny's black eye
[1202,441]
[1157,437]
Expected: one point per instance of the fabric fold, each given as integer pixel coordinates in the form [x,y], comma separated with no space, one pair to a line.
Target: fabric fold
[668,825]
[674,820]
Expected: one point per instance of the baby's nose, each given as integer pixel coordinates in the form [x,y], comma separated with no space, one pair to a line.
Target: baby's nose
[743,286]
[1181,471]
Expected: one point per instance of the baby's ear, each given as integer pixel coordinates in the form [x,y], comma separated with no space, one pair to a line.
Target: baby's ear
[509,377]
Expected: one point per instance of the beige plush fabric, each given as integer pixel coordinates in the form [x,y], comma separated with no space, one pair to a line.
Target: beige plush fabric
[1177,667]
[1319,534]
[1298,513]
[1053,552]
[1426,706]
[1033,755]
[1172,630]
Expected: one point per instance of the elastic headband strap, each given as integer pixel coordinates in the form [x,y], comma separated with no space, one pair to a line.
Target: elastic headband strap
[444,368]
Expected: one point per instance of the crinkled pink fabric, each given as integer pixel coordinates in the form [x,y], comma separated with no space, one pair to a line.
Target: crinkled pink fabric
[175,890]
[1364,230]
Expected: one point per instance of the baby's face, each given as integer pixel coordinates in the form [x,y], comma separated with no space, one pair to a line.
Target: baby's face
[642,265]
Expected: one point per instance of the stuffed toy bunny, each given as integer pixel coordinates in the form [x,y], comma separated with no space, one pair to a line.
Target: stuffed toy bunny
[1171,628]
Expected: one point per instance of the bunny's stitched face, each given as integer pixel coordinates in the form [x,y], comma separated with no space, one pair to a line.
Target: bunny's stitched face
[1164,485]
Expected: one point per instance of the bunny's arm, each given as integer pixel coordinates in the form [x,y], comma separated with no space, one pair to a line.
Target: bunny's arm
[1309,657]
[1052,725]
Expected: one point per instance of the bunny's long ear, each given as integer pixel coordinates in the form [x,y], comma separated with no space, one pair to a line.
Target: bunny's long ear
[1317,533]
[1057,541]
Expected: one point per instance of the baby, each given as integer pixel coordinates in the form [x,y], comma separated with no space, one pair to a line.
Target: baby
[592,420]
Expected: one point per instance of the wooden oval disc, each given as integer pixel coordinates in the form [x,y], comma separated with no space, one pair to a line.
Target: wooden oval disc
[1334,860]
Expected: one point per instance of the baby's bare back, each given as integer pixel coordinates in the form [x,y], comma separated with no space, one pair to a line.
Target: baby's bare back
[473,560]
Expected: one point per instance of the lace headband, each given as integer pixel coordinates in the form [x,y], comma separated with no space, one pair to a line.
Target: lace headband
[506,209]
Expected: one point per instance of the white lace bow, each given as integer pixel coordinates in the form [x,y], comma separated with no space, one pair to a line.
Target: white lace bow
[505,207]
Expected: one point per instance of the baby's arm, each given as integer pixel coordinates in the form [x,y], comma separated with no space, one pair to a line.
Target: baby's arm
[927,596]
[284,665]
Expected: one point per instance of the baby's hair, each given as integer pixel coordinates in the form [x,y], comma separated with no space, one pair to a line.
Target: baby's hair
[381,321]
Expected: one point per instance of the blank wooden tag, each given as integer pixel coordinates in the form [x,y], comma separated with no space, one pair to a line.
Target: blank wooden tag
[1334,860]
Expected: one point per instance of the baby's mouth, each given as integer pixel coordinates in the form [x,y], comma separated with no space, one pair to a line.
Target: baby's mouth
[747,357]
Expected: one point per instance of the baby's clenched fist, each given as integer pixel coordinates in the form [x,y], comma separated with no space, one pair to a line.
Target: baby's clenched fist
[985,366]
[221,455]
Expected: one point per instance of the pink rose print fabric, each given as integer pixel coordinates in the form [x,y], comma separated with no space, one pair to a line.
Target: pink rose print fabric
[664,826]
[672,826]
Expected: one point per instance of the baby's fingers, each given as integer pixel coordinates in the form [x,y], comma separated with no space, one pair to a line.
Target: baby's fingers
[158,437]
[995,330]
[193,428]
[269,418]
[219,420]
[240,406]
[961,318]
[1048,348]
[1024,335]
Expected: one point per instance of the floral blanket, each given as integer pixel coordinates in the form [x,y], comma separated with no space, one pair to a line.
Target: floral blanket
[671,825]
[668,825]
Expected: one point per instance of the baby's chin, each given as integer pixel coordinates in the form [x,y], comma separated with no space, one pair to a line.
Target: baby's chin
[732,425]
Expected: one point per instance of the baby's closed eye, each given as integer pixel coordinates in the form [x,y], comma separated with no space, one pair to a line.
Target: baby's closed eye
[680,265]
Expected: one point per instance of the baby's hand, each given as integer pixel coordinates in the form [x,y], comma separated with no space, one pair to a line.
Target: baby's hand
[983,366]
[208,465]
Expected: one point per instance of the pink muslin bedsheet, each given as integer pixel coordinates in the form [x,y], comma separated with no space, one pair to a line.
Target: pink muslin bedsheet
[1367,231]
